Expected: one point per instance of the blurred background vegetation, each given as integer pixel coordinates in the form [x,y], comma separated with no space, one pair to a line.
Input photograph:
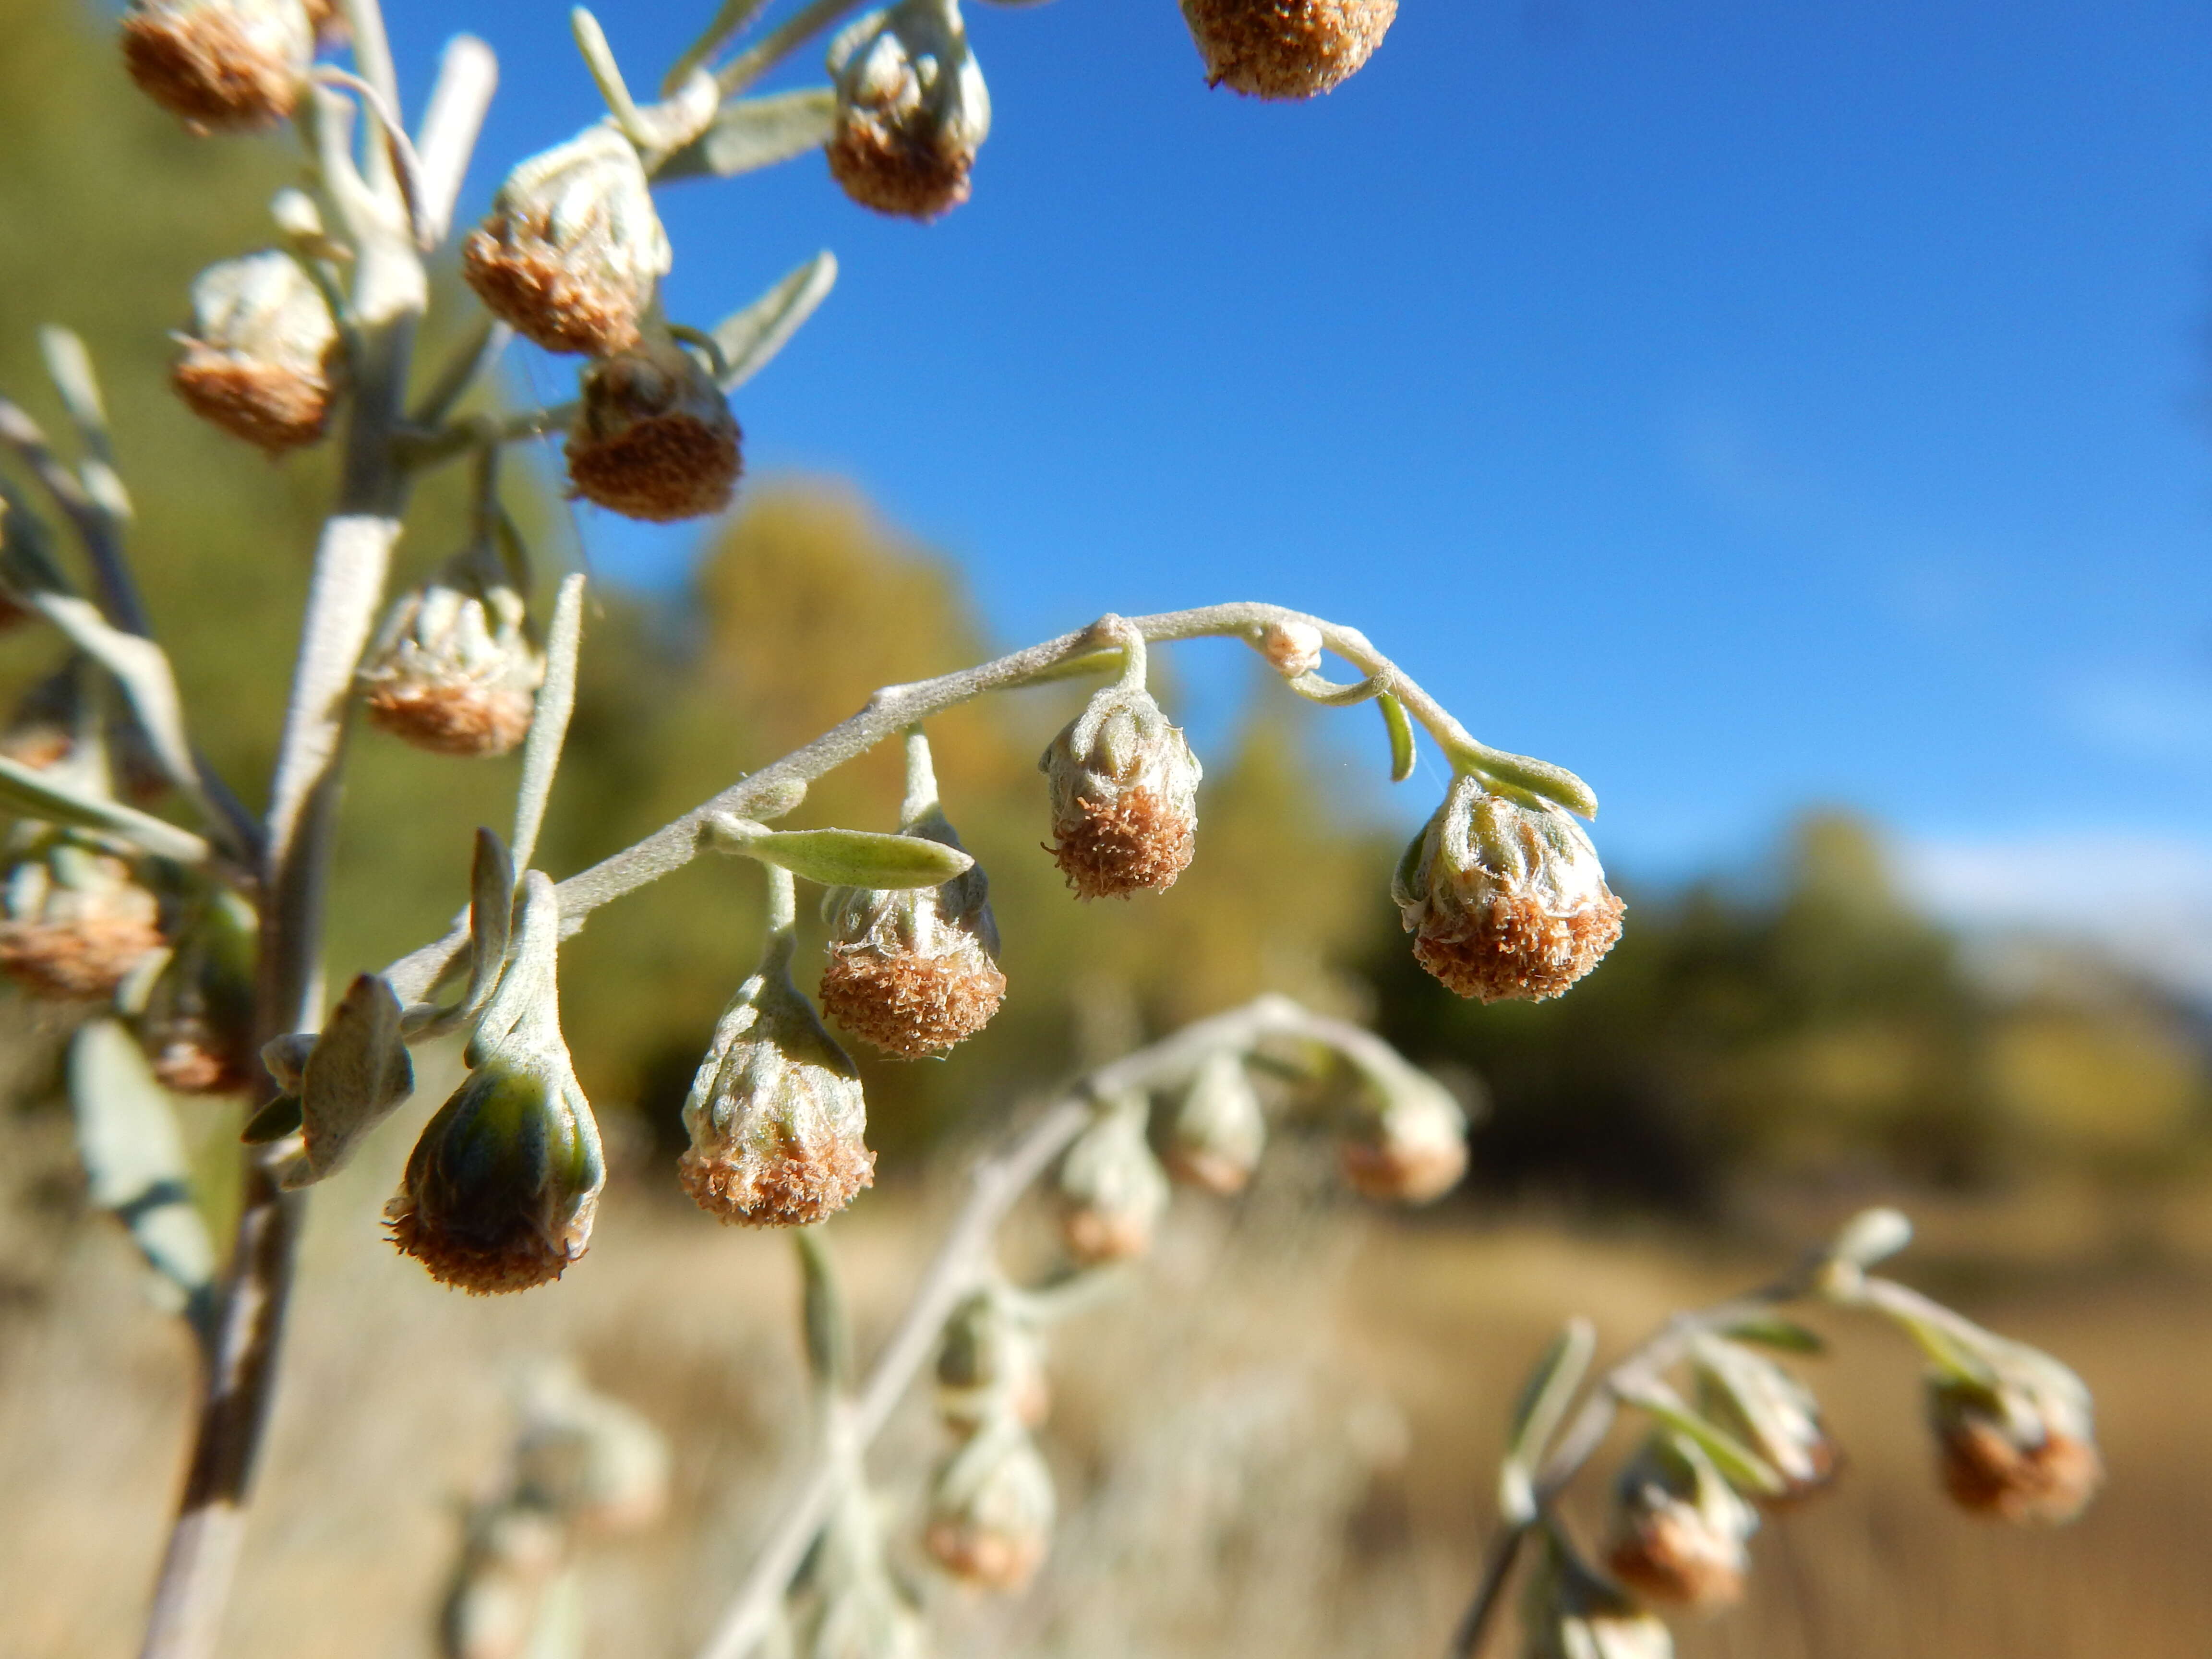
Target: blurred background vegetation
[1766,1045]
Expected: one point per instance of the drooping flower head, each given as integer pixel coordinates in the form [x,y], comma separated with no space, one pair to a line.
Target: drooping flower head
[1220,1128]
[655,440]
[1112,1189]
[1404,1140]
[2019,1444]
[222,66]
[1568,1613]
[1124,786]
[991,1508]
[1286,48]
[1505,896]
[261,358]
[1680,1531]
[990,1365]
[197,1024]
[1770,1410]
[912,109]
[454,669]
[75,918]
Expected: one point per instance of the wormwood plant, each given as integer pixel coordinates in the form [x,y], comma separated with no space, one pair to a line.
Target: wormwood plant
[190,949]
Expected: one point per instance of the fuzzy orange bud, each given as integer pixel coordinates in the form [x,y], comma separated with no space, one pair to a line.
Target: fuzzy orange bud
[260,360]
[656,440]
[1124,787]
[1286,48]
[225,66]
[912,109]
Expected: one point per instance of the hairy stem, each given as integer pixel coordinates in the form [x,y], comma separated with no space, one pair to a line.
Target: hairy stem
[962,1261]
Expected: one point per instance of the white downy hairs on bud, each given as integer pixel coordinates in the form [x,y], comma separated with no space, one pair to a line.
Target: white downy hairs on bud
[2019,1441]
[777,1117]
[572,251]
[75,918]
[1405,1139]
[1505,897]
[454,669]
[1680,1531]
[501,1190]
[1286,48]
[587,1458]
[261,357]
[912,109]
[221,65]
[655,440]
[1124,787]
[1568,1613]
[1769,1410]
[991,1508]
[991,1364]
[913,971]
[1220,1127]
[1112,1189]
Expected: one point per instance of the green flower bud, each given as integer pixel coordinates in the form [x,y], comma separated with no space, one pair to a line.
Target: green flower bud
[1112,1189]
[75,919]
[990,1365]
[1220,1128]
[226,65]
[1570,1613]
[1680,1531]
[501,1190]
[912,109]
[261,358]
[572,250]
[656,440]
[454,670]
[1286,48]
[991,1509]
[1768,1411]
[777,1117]
[1505,900]
[2020,1446]
[198,1026]
[1124,787]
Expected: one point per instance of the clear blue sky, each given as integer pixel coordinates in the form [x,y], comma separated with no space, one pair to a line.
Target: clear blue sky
[1742,402]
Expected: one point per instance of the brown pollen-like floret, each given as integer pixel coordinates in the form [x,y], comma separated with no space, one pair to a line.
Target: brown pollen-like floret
[522,1261]
[1670,1556]
[1137,843]
[206,67]
[1094,1236]
[985,1556]
[1286,48]
[1987,1472]
[792,1189]
[453,717]
[908,1003]
[521,276]
[85,956]
[1400,1173]
[193,1062]
[1516,949]
[897,167]
[276,407]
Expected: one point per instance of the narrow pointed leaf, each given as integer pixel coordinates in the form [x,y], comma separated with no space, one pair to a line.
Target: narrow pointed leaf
[1537,1415]
[1743,1468]
[1773,1331]
[1553,783]
[752,133]
[357,1074]
[33,795]
[1401,728]
[849,858]
[280,1117]
[752,336]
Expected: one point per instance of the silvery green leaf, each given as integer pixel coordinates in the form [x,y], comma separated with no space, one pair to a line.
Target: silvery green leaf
[357,1074]
[1870,1237]
[126,1132]
[751,337]
[35,794]
[280,1117]
[491,915]
[1773,1331]
[829,1330]
[1537,1415]
[1401,729]
[1553,783]
[847,858]
[1743,1468]
[752,133]
[549,724]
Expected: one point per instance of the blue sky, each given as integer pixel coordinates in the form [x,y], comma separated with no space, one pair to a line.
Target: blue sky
[1744,404]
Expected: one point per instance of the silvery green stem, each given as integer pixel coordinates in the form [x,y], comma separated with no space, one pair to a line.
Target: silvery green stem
[351,563]
[775,789]
[963,1261]
[780,42]
[731,20]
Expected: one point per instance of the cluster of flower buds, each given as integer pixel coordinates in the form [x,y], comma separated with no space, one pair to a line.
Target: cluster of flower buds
[991,1364]
[1504,896]
[1220,1128]
[776,1117]
[454,669]
[1112,1189]
[228,65]
[912,109]
[261,358]
[1286,48]
[991,1508]
[1124,786]
[915,970]
[655,439]
[1405,1140]
[1681,1532]
[75,918]
[573,250]
[196,1025]
[501,1189]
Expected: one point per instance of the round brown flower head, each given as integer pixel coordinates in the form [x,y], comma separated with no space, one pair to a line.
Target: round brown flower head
[260,360]
[2023,1451]
[1286,48]
[501,1190]
[990,1365]
[198,1026]
[656,440]
[1679,1529]
[1124,787]
[225,66]
[914,972]
[912,109]
[1506,901]
[572,250]
[74,918]
[454,670]
[1408,1142]
[1220,1128]
[991,1509]
[1768,1411]
[777,1117]
[1112,1189]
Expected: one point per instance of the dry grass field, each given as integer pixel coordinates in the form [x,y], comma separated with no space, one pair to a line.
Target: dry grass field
[1275,1440]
